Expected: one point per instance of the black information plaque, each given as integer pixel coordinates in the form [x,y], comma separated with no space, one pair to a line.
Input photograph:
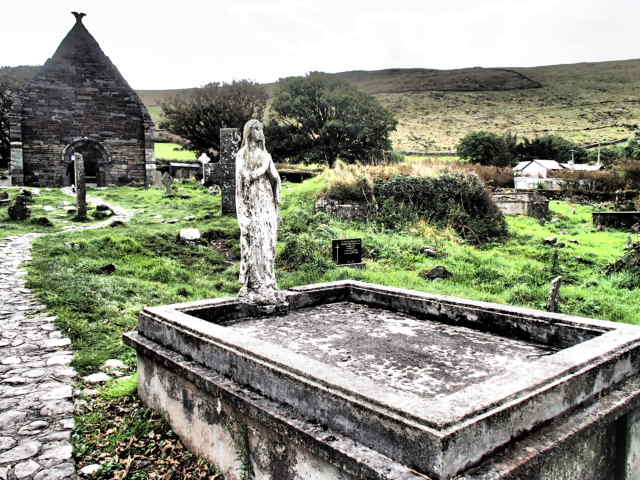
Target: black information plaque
[347,251]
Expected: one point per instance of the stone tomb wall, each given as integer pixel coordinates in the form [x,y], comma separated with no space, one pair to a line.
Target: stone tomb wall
[248,402]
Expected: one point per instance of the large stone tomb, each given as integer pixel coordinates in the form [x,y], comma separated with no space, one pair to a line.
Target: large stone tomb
[360,381]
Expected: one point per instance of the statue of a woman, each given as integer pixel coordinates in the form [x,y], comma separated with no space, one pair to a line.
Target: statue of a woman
[257,201]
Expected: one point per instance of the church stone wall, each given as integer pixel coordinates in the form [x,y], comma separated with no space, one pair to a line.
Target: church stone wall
[79,94]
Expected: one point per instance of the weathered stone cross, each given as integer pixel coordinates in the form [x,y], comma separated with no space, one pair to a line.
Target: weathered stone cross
[223,173]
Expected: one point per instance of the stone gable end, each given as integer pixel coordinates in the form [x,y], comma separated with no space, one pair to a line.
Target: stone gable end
[79,102]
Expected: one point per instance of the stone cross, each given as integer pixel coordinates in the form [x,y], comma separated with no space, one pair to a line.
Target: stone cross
[167,183]
[257,200]
[223,173]
[204,161]
[81,186]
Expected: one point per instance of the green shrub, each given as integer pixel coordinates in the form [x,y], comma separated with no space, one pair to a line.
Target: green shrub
[305,251]
[485,148]
[627,268]
[452,199]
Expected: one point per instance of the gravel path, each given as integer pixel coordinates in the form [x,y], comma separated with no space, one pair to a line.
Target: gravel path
[36,381]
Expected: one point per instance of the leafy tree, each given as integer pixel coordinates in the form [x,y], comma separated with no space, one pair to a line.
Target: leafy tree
[487,148]
[551,147]
[317,118]
[632,149]
[199,114]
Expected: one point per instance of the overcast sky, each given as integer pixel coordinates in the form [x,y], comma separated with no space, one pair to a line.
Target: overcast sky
[183,43]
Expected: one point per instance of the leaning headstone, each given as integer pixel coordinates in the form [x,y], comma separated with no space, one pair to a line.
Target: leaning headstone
[347,252]
[167,183]
[19,209]
[553,304]
[257,201]
[223,173]
[81,186]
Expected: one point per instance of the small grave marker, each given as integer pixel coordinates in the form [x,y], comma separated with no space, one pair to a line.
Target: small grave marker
[81,186]
[347,252]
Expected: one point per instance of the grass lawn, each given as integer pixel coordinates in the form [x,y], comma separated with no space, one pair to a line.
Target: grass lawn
[48,204]
[153,268]
[517,271]
[173,151]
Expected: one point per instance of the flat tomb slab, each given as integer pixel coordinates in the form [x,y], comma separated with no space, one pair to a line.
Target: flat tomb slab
[434,382]
[394,349]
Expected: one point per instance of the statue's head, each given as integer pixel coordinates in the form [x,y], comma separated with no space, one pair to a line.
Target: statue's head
[253,132]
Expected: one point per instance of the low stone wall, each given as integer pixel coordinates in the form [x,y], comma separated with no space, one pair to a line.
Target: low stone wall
[616,219]
[530,204]
[345,210]
[260,409]
[583,197]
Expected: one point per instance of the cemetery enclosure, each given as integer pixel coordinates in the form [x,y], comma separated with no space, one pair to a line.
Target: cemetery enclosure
[155,267]
[196,360]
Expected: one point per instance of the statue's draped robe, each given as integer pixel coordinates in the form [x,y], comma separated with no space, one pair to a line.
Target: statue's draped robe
[258,217]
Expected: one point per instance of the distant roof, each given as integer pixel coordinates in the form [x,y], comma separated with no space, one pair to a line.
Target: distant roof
[546,164]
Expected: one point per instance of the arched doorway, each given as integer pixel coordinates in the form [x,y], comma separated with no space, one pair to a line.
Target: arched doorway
[96,161]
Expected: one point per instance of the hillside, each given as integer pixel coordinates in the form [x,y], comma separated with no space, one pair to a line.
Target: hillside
[586,102]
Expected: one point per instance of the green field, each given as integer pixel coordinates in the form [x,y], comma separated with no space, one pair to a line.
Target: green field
[173,151]
[585,102]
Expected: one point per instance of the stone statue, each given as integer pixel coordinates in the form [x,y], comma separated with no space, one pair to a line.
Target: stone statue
[257,201]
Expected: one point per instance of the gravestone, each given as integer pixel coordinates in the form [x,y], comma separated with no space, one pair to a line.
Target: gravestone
[347,252]
[156,178]
[4,199]
[223,173]
[167,183]
[81,186]
[20,210]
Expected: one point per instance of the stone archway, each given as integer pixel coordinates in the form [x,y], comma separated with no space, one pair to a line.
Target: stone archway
[96,161]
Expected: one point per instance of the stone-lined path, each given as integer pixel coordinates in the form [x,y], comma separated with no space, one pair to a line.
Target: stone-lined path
[36,381]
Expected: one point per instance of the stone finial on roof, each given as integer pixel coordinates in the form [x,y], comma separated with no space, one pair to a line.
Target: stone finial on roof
[79,16]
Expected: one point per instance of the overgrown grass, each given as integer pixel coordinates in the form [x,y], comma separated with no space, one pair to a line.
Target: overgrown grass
[48,199]
[517,271]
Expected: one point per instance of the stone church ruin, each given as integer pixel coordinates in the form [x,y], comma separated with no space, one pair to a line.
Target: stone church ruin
[79,103]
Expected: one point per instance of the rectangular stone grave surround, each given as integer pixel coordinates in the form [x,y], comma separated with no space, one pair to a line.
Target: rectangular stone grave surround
[568,406]
[531,204]
[616,219]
